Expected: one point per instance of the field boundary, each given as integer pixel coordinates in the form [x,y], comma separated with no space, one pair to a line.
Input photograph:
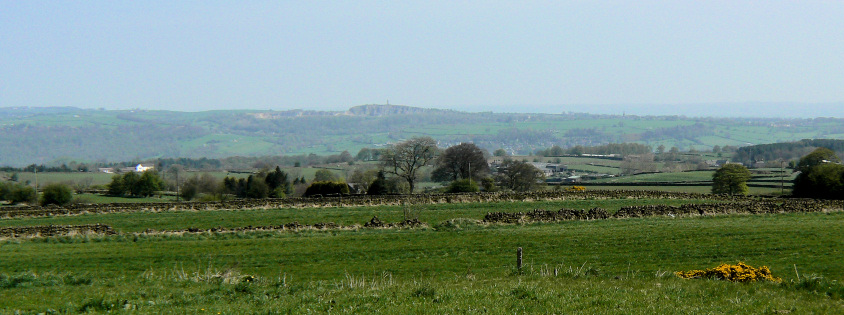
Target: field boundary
[727,208]
[350,201]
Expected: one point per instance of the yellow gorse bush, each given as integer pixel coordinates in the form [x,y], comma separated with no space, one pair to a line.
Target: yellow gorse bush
[740,272]
[576,188]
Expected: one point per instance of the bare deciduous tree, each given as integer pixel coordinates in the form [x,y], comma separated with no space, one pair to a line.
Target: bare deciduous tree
[462,161]
[404,159]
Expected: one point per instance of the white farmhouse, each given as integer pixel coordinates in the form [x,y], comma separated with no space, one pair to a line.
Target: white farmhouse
[140,168]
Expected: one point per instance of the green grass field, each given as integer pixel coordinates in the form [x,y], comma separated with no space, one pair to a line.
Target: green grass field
[661,177]
[619,266]
[95,198]
[175,220]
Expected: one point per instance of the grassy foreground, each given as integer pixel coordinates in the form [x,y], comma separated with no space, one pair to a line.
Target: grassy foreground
[454,266]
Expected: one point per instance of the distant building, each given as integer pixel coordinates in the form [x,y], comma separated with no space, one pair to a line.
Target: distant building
[544,168]
[137,168]
[573,179]
[140,168]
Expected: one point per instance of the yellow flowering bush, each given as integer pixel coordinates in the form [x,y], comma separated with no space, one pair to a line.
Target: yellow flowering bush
[576,188]
[740,272]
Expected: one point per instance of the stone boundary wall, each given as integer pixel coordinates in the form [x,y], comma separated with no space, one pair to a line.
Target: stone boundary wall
[68,230]
[55,230]
[538,215]
[350,201]
[735,207]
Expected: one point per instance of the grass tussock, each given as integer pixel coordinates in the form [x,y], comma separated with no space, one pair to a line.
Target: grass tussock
[818,285]
[46,279]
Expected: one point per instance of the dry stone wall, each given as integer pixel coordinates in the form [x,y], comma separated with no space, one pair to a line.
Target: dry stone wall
[54,230]
[347,201]
[733,207]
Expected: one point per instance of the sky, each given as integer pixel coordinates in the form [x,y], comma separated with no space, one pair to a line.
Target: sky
[697,58]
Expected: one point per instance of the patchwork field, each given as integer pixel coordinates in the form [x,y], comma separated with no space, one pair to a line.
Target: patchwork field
[454,263]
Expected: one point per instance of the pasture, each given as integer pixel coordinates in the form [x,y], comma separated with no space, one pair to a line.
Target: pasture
[453,264]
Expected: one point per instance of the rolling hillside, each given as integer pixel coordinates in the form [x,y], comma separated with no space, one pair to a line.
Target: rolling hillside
[51,135]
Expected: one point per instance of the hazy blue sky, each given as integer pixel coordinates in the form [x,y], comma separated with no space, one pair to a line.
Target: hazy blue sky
[554,56]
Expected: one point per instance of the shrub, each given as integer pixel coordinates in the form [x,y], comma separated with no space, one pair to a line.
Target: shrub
[462,185]
[56,194]
[830,288]
[523,293]
[324,175]
[5,189]
[820,181]
[575,188]
[143,185]
[489,184]
[327,188]
[188,192]
[425,292]
[740,272]
[256,188]
[18,193]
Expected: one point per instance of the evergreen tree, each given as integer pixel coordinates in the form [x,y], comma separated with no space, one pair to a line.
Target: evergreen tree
[379,186]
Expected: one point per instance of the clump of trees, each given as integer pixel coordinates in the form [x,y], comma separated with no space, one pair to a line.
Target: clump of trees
[519,176]
[639,163]
[367,154]
[199,184]
[462,186]
[250,187]
[363,178]
[275,184]
[462,161]
[821,176]
[324,175]
[131,183]
[327,188]
[731,179]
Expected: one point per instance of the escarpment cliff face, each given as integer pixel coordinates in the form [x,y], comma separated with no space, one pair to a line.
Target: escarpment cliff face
[384,110]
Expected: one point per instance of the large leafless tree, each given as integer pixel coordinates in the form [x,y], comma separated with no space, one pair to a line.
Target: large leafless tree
[462,161]
[404,159]
[519,176]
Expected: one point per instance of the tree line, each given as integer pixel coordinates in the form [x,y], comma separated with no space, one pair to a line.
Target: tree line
[821,176]
[620,149]
[785,151]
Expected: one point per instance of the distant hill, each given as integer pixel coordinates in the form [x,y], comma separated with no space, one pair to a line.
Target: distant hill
[59,134]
